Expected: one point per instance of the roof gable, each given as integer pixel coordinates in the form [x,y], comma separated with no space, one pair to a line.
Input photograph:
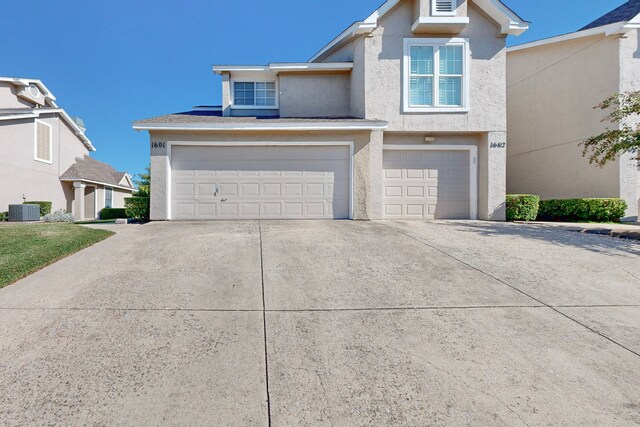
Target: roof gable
[625,13]
[89,169]
[509,21]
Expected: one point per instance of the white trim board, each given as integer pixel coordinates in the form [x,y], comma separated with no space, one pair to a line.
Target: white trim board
[606,30]
[473,166]
[119,187]
[171,144]
[256,126]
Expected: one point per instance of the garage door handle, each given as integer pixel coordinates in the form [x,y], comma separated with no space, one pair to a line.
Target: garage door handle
[223,200]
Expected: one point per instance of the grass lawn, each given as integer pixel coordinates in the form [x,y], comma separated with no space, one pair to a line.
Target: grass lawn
[26,248]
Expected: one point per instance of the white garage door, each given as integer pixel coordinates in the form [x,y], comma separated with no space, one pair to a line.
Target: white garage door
[249,182]
[426,184]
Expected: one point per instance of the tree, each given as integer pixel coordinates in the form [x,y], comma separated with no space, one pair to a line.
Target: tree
[624,138]
[144,183]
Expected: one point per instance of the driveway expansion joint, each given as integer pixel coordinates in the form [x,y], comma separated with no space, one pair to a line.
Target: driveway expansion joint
[264,323]
[554,308]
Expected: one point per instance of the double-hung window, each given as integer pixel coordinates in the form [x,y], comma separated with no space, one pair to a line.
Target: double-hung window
[436,75]
[254,94]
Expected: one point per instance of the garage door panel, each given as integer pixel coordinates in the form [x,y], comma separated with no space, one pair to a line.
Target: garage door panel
[261,182]
[426,184]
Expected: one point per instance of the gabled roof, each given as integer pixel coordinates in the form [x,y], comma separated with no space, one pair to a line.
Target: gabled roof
[25,113]
[510,22]
[91,170]
[619,21]
[625,13]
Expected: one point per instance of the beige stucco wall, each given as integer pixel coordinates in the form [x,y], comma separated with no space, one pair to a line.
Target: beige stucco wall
[384,76]
[8,99]
[367,164]
[315,95]
[21,175]
[552,92]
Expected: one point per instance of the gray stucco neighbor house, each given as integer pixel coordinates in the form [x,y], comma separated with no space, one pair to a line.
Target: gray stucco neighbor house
[553,86]
[402,115]
[44,155]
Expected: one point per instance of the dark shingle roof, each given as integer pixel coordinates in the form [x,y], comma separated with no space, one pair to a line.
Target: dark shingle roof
[624,13]
[86,168]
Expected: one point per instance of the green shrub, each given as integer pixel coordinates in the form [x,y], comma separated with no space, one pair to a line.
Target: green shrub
[113,213]
[4,216]
[582,210]
[137,208]
[522,207]
[45,207]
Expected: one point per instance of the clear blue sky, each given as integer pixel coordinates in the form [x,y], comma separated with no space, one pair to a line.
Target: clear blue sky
[112,62]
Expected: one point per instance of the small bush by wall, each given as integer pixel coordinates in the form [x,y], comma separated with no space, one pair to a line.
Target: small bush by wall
[113,213]
[137,208]
[582,210]
[45,207]
[59,216]
[522,207]
[4,216]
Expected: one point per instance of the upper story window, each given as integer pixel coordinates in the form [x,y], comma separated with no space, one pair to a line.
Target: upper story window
[254,94]
[443,7]
[436,75]
[43,144]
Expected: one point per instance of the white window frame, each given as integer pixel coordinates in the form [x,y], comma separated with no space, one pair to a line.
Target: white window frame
[436,43]
[253,107]
[35,141]
[454,5]
[105,196]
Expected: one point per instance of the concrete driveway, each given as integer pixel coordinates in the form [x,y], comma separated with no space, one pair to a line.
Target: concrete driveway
[327,323]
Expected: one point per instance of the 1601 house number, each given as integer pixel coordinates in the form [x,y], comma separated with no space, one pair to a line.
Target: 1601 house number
[498,145]
[158,145]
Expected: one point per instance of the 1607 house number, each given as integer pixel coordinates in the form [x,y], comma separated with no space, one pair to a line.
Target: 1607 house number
[498,145]
[158,145]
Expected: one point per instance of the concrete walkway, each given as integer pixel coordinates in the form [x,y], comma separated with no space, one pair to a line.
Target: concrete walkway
[343,323]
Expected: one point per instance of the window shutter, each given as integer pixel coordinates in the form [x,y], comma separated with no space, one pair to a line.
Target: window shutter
[43,142]
[444,6]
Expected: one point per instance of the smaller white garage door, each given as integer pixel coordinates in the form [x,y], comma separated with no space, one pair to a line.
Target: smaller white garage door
[427,184]
[252,182]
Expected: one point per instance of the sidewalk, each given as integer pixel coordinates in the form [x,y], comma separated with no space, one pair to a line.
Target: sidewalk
[629,230]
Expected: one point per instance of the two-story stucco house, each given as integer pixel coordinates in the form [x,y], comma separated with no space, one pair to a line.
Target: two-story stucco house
[553,86]
[44,155]
[402,115]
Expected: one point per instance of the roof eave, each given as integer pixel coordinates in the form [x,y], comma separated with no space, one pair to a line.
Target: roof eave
[319,126]
[606,30]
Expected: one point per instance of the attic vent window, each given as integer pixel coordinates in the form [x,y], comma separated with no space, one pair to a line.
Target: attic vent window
[443,7]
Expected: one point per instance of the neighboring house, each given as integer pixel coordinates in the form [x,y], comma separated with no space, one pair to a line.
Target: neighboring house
[553,86]
[44,155]
[403,115]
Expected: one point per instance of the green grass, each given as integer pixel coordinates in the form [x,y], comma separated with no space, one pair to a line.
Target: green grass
[97,221]
[27,248]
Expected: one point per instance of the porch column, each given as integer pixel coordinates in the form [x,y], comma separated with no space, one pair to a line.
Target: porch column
[78,200]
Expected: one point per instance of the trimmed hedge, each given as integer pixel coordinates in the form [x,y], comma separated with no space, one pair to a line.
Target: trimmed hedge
[522,207]
[137,208]
[45,207]
[582,210]
[113,213]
